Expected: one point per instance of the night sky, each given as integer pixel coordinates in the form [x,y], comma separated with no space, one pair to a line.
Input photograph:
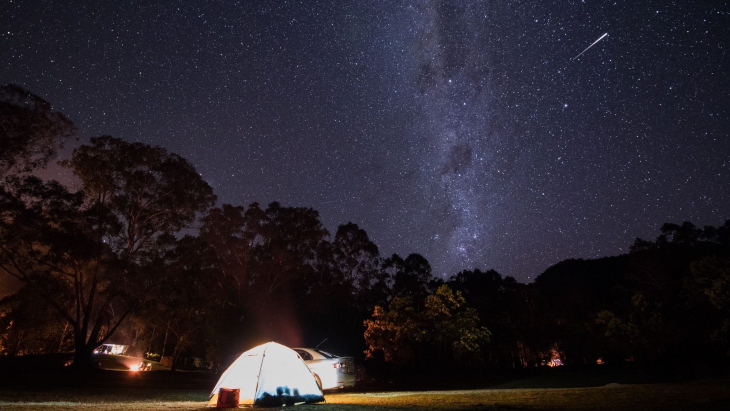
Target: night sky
[468,132]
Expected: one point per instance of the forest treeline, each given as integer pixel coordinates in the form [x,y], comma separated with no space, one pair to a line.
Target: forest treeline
[141,255]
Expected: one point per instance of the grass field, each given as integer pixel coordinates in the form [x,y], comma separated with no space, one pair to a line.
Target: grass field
[189,391]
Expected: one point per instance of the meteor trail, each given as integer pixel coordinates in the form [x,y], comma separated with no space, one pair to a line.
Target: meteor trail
[592,44]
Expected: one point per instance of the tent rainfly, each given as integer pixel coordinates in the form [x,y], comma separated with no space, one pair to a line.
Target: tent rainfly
[269,375]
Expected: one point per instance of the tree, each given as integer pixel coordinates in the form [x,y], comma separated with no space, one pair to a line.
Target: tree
[233,235]
[446,329]
[184,297]
[639,334]
[719,235]
[453,328]
[288,246]
[394,333]
[136,192]
[47,243]
[30,131]
[711,277]
[358,260]
[503,307]
[30,326]
[685,234]
[411,277]
[83,251]
[356,255]
[569,295]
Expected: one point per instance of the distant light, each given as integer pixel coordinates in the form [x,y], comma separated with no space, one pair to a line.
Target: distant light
[134,368]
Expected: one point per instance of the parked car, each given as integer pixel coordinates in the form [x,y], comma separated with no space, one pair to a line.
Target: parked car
[329,370]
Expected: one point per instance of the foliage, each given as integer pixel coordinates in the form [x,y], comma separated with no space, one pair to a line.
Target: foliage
[30,131]
[506,308]
[712,274]
[30,326]
[394,333]
[446,329]
[84,252]
[454,326]
[711,279]
[638,335]
[136,192]
[47,244]
[357,260]
[182,301]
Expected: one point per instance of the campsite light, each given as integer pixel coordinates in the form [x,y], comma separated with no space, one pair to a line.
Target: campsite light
[134,368]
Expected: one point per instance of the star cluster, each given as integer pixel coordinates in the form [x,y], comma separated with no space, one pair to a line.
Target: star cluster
[466,131]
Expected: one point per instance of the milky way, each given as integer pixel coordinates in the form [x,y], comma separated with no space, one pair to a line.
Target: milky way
[464,131]
[461,152]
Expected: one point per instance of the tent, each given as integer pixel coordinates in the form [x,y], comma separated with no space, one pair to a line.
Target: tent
[269,375]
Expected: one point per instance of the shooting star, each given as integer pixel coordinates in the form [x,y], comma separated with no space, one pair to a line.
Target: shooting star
[592,44]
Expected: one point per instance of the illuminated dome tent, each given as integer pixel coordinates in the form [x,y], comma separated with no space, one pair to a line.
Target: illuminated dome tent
[269,375]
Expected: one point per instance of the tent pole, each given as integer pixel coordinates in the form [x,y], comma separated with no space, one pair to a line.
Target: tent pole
[258,376]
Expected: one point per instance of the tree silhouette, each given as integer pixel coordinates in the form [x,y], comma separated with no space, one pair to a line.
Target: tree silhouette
[83,251]
[30,131]
[136,192]
[358,260]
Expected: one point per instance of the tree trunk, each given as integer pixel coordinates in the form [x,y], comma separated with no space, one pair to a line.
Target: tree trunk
[83,356]
[84,346]
[164,341]
[152,338]
[176,353]
[64,333]
[16,346]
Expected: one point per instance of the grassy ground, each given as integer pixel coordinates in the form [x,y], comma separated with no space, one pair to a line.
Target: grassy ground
[189,391]
[703,395]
